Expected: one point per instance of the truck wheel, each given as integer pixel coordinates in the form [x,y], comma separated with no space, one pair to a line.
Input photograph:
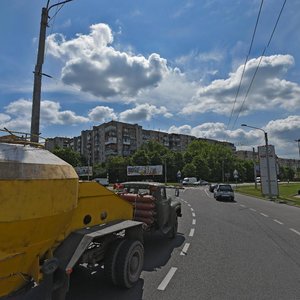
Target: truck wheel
[173,232]
[110,259]
[62,289]
[130,262]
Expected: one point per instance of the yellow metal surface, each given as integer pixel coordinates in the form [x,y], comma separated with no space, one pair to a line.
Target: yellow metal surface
[97,201]
[41,202]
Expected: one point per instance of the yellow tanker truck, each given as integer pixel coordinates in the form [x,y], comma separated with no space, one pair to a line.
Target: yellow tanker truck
[51,222]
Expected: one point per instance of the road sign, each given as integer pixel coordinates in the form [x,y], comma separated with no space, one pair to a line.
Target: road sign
[235,174]
[264,170]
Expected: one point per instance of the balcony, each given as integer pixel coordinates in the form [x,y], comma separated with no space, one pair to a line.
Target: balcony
[111,152]
[111,140]
[126,141]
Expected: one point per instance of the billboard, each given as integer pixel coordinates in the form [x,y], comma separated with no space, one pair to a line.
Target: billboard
[84,171]
[264,170]
[144,170]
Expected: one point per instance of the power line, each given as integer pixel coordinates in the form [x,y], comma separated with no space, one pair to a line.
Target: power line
[246,60]
[263,53]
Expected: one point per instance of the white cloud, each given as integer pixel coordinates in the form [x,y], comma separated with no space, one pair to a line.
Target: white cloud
[174,92]
[18,115]
[143,112]
[101,114]
[282,133]
[93,65]
[268,92]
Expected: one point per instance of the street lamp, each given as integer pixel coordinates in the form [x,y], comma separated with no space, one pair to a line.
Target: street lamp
[267,155]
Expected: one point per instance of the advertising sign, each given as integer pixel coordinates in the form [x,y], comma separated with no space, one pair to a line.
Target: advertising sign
[144,170]
[84,171]
[264,170]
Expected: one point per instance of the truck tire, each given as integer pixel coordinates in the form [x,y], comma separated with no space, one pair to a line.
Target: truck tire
[130,262]
[110,259]
[62,289]
[173,232]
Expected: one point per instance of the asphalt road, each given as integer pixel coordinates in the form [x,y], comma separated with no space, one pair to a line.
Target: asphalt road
[249,249]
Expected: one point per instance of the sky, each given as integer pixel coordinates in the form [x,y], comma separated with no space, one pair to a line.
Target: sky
[178,66]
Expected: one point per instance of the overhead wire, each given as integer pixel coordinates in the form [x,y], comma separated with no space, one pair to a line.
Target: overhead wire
[261,57]
[246,60]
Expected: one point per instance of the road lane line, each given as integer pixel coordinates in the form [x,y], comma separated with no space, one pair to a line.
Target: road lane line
[194,222]
[185,249]
[294,230]
[252,209]
[194,215]
[192,232]
[242,205]
[192,209]
[264,215]
[167,279]
[189,205]
[278,222]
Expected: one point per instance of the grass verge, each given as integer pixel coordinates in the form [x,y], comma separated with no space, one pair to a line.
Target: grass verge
[287,192]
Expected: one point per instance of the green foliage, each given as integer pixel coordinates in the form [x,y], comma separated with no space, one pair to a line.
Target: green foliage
[117,168]
[140,158]
[286,173]
[189,170]
[68,155]
[99,170]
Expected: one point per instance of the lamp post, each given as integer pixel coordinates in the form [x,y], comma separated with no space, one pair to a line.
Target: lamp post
[267,155]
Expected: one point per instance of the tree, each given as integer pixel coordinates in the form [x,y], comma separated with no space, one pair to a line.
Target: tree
[140,158]
[68,155]
[117,168]
[189,170]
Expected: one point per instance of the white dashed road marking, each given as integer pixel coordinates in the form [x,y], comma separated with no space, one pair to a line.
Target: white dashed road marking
[192,232]
[252,209]
[167,279]
[194,215]
[294,230]
[194,222]
[278,222]
[264,215]
[185,249]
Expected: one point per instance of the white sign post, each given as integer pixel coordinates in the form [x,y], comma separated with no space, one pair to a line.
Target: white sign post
[264,171]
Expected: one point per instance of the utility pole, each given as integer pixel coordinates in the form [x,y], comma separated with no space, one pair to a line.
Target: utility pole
[298,167]
[268,164]
[254,167]
[38,72]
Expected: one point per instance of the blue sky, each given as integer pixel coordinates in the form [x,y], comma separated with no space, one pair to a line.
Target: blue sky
[173,66]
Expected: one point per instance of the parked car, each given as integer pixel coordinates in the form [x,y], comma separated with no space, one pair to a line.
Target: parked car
[212,186]
[189,180]
[224,192]
[200,182]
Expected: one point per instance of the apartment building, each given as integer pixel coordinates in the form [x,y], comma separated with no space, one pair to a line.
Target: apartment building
[58,142]
[123,139]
